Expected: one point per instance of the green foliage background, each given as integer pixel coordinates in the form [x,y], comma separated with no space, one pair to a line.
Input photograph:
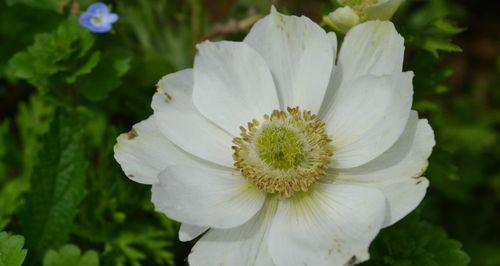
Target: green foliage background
[66,93]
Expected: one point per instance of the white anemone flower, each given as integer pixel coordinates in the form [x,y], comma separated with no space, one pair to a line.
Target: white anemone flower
[276,152]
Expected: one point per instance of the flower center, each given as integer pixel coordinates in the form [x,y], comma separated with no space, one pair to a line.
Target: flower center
[280,147]
[285,153]
[97,20]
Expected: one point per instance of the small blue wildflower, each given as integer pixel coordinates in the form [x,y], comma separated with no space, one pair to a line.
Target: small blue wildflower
[97,18]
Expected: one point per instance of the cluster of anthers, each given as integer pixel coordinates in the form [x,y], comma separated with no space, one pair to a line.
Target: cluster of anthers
[285,153]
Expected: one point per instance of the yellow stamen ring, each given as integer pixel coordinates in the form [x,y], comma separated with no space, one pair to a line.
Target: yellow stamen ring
[284,154]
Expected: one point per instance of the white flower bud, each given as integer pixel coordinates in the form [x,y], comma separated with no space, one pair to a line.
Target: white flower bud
[344,18]
[358,11]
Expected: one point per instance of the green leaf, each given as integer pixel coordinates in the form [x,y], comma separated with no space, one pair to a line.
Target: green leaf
[430,28]
[33,121]
[105,77]
[56,5]
[54,56]
[434,45]
[57,187]
[416,243]
[86,68]
[4,130]
[130,248]
[19,24]
[10,199]
[447,26]
[11,250]
[70,255]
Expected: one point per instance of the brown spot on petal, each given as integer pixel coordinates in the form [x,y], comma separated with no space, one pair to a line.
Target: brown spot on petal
[351,261]
[131,176]
[168,97]
[132,134]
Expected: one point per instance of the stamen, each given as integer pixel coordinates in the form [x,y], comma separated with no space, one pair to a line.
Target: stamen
[280,147]
[97,20]
[284,154]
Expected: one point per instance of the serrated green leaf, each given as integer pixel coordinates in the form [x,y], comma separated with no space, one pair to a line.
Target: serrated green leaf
[434,45]
[10,199]
[18,25]
[429,28]
[33,120]
[53,56]
[57,187]
[70,255]
[86,68]
[130,248]
[447,26]
[4,130]
[105,77]
[11,250]
[416,243]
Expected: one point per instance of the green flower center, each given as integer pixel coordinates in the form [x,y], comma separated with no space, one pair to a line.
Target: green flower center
[280,147]
[284,153]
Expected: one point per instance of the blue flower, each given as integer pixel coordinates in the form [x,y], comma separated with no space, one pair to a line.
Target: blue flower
[97,18]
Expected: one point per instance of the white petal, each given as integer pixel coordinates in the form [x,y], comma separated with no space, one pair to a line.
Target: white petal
[144,152]
[367,117]
[403,196]
[333,43]
[405,159]
[242,245]
[332,224]
[330,95]
[189,232]
[179,120]
[396,172]
[371,48]
[300,57]
[211,197]
[232,84]
[335,79]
